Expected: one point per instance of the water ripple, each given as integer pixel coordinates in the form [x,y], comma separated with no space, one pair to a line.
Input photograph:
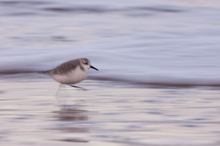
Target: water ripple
[22,2]
[44,8]
[103,9]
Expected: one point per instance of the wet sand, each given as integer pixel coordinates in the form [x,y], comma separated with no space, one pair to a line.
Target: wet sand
[107,113]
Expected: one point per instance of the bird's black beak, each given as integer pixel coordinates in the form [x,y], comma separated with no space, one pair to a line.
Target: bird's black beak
[93,67]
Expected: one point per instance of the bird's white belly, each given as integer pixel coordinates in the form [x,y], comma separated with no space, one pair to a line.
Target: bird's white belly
[72,77]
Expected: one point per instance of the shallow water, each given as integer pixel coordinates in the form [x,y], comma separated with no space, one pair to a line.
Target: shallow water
[158,82]
[106,114]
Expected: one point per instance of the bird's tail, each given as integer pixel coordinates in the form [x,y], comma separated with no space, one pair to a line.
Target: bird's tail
[22,71]
[44,72]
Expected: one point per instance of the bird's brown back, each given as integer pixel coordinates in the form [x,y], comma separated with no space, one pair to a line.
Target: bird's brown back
[66,67]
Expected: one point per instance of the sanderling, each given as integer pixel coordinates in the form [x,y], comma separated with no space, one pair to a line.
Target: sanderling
[71,72]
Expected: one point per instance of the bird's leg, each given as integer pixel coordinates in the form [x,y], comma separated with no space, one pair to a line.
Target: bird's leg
[60,85]
[59,102]
[77,87]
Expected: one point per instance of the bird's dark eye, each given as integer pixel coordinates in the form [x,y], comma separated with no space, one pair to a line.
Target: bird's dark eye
[85,62]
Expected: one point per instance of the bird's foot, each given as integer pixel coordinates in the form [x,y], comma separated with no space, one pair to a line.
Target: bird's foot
[81,88]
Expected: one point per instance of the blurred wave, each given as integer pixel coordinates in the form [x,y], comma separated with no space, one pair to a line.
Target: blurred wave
[22,2]
[101,9]
[145,43]
[43,8]
[153,82]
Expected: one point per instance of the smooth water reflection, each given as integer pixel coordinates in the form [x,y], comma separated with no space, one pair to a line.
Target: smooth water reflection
[110,115]
[68,118]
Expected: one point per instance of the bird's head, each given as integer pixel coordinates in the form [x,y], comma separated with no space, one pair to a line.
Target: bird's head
[86,64]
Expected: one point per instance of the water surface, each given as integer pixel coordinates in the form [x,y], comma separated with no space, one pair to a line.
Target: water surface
[141,40]
[106,114]
[158,82]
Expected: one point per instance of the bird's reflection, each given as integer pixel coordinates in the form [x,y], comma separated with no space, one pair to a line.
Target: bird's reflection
[71,119]
[71,113]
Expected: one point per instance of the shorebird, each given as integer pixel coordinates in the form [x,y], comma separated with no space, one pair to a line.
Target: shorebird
[71,72]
